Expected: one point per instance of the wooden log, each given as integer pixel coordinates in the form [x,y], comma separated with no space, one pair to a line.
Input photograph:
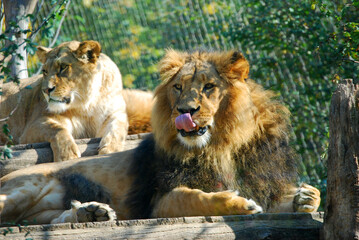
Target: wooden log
[25,155]
[261,226]
[342,205]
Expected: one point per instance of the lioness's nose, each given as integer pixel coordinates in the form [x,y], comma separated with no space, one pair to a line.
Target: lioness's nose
[48,90]
[188,110]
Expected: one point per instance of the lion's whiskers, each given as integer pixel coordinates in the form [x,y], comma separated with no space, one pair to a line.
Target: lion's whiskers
[76,94]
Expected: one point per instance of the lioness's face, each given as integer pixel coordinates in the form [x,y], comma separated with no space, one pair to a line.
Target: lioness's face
[195,94]
[66,70]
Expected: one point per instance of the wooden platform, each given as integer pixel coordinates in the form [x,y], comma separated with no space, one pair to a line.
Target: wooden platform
[261,226]
[25,155]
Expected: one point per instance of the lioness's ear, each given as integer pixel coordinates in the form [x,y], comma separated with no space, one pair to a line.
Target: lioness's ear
[171,63]
[42,53]
[88,51]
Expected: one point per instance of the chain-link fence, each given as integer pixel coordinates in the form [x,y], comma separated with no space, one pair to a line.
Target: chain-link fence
[282,42]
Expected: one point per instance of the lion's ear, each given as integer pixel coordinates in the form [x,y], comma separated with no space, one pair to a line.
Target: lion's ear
[232,64]
[239,66]
[88,51]
[42,53]
[171,63]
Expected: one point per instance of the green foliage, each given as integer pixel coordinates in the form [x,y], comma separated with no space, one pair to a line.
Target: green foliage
[6,152]
[344,39]
[22,227]
[6,231]
[134,47]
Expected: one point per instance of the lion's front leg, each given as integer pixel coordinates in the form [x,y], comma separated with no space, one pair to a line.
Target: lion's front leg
[64,147]
[56,132]
[113,133]
[183,201]
[305,198]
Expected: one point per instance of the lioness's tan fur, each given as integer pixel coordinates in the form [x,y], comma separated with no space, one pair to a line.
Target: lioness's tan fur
[97,109]
[240,143]
[138,107]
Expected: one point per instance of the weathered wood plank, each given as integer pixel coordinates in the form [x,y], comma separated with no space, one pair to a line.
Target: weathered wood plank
[261,226]
[342,205]
[25,155]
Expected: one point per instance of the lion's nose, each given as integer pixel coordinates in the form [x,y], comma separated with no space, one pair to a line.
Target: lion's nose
[188,110]
[49,90]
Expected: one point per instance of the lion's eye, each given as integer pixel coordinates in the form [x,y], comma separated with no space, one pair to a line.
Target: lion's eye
[208,86]
[178,86]
[44,72]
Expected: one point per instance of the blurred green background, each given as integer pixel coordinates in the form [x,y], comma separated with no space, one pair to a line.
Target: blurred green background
[300,49]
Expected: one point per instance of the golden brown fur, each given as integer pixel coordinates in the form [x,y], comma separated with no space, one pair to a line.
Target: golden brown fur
[79,95]
[239,142]
[138,107]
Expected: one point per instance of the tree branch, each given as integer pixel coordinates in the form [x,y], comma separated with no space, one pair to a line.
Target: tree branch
[39,6]
[34,33]
[60,24]
[350,60]
[2,14]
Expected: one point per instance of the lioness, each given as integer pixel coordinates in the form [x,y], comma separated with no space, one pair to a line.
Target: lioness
[213,132]
[138,108]
[79,95]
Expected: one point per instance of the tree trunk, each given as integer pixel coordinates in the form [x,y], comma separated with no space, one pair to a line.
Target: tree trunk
[342,207]
[15,11]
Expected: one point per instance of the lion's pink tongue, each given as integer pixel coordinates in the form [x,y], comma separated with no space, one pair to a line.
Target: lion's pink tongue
[185,122]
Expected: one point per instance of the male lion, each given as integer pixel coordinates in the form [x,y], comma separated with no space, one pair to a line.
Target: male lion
[79,95]
[213,132]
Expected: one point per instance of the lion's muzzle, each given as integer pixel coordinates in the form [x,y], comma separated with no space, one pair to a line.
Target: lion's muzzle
[199,132]
[185,122]
[49,98]
[64,100]
[187,127]
[48,90]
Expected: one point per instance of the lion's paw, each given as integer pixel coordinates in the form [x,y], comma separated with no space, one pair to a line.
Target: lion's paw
[234,204]
[93,212]
[253,207]
[306,199]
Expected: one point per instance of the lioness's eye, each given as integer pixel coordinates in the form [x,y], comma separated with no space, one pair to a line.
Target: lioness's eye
[177,86]
[63,67]
[44,72]
[208,86]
